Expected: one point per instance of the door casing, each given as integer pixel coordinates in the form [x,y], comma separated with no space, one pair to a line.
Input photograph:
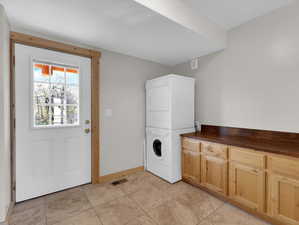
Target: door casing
[95,56]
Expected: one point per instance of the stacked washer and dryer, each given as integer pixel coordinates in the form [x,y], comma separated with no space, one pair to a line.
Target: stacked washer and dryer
[169,113]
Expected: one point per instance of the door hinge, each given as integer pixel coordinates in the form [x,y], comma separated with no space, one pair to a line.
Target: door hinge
[14,60]
[14,123]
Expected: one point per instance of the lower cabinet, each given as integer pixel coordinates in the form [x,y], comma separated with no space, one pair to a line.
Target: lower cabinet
[247,186]
[284,199]
[266,183]
[191,166]
[214,167]
[191,160]
[214,174]
[283,187]
[247,177]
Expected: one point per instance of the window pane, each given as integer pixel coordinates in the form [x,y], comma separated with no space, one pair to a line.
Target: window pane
[72,95]
[57,94]
[72,78]
[57,75]
[41,72]
[42,115]
[41,93]
[72,115]
[58,115]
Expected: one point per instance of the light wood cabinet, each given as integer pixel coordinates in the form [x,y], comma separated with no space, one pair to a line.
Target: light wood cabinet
[191,144]
[191,161]
[264,184]
[214,174]
[191,166]
[214,167]
[247,186]
[247,180]
[214,149]
[284,165]
[284,199]
[283,187]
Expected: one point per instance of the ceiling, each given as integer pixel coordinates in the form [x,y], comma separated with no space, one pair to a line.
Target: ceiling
[232,13]
[131,28]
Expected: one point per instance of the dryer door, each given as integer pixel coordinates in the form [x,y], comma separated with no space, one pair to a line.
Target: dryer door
[158,152]
[157,147]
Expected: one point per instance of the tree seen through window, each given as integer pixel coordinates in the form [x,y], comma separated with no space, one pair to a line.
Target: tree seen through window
[55,95]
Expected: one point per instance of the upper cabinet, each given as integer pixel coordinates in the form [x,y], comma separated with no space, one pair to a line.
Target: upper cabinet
[247,177]
[214,167]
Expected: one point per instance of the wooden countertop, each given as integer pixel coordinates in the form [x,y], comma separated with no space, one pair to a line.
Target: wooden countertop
[272,145]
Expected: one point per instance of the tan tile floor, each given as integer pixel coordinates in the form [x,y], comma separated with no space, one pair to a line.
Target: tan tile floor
[144,200]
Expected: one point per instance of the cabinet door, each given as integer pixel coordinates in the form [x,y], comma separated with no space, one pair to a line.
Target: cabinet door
[247,186]
[284,199]
[191,166]
[214,174]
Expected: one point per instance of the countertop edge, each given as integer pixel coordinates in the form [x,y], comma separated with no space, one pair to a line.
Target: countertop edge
[232,143]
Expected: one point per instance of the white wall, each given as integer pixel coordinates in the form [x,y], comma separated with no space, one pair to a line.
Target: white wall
[123,91]
[254,83]
[4,116]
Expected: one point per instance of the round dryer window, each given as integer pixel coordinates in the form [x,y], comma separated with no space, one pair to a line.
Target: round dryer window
[157,146]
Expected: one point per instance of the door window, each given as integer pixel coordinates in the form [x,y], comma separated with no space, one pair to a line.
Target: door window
[55,95]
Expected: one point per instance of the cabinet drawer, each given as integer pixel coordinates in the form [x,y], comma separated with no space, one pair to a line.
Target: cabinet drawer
[283,165]
[191,144]
[247,157]
[214,149]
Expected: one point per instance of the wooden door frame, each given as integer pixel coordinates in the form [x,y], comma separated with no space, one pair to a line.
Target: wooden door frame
[95,56]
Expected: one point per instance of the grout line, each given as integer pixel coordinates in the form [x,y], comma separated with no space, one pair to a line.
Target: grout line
[98,216]
[143,210]
[68,217]
[213,212]
[110,200]
[139,206]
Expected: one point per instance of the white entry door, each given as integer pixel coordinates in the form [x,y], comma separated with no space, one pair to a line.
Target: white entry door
[53,102]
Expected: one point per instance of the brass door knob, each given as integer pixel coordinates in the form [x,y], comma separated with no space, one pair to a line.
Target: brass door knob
[87,130]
